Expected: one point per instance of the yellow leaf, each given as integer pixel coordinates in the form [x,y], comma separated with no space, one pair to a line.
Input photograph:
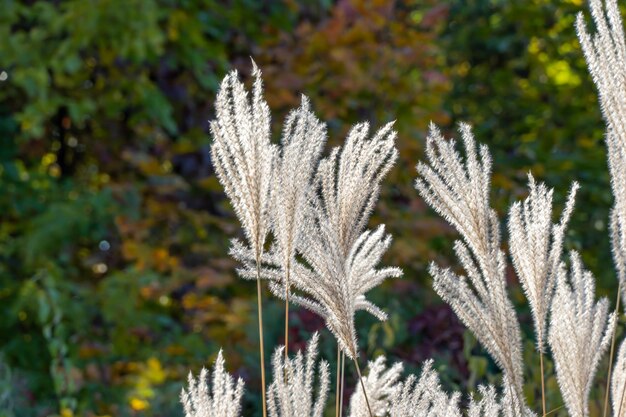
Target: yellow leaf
[66,412]
[138,404]
[155,372]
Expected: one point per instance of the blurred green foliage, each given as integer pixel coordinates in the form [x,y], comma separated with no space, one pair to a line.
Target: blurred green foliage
[114,275]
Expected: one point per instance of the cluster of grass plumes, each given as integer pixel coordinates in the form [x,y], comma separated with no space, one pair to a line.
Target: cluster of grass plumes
[322,257]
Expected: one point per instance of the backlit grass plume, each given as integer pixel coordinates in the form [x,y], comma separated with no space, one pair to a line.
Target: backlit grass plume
[302,142]
[295,382]
[242,155]
[618,383]
[423,397]
[381,383]
[340,258]
[459,191]
[222,399]
[580,331]
[244,160]
[536,245]
[605,53]
[322,221]
[487,406]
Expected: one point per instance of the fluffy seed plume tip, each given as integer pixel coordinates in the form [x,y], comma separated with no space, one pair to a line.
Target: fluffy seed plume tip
[221,399]
[292,394]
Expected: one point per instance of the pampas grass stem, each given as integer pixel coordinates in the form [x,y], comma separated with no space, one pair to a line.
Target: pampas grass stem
[343,366]
[543,387]
[261,349]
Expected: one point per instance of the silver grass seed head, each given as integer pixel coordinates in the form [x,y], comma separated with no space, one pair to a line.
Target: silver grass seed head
[423,397]
[338,263]
[381,384]
[242,155]
[618,383]
[221,399]
[339,258]
[292,392]
[605,53]
[487,406]
[580,331]
[536,245]
[302,142]
[458,189]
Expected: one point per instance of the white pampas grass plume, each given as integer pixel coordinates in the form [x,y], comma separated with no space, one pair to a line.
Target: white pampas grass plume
[618,383]
[244,160]
[302,142]
[340,258]
[536,245]
[580,331]
[381,383]
[222,399]
[423,397]
[487,406]
[605,53]
[491,406]
[293,175]
[291,393]
[459,191]
[243,156]
[327,229]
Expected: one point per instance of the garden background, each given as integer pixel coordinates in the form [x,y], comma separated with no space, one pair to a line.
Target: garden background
[114,274]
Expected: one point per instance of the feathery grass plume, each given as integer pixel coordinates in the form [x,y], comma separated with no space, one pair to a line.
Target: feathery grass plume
[340,258]
[492,406]
[536,246]
[293,396]
[303,138]
[302,142]
[459,191]
[424,397]
[580,331]
[487,406]
[616,232]
[224,400]
[381,383]
[244,160]
[605,53]
[618,383]
[243,156]
[293,175]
